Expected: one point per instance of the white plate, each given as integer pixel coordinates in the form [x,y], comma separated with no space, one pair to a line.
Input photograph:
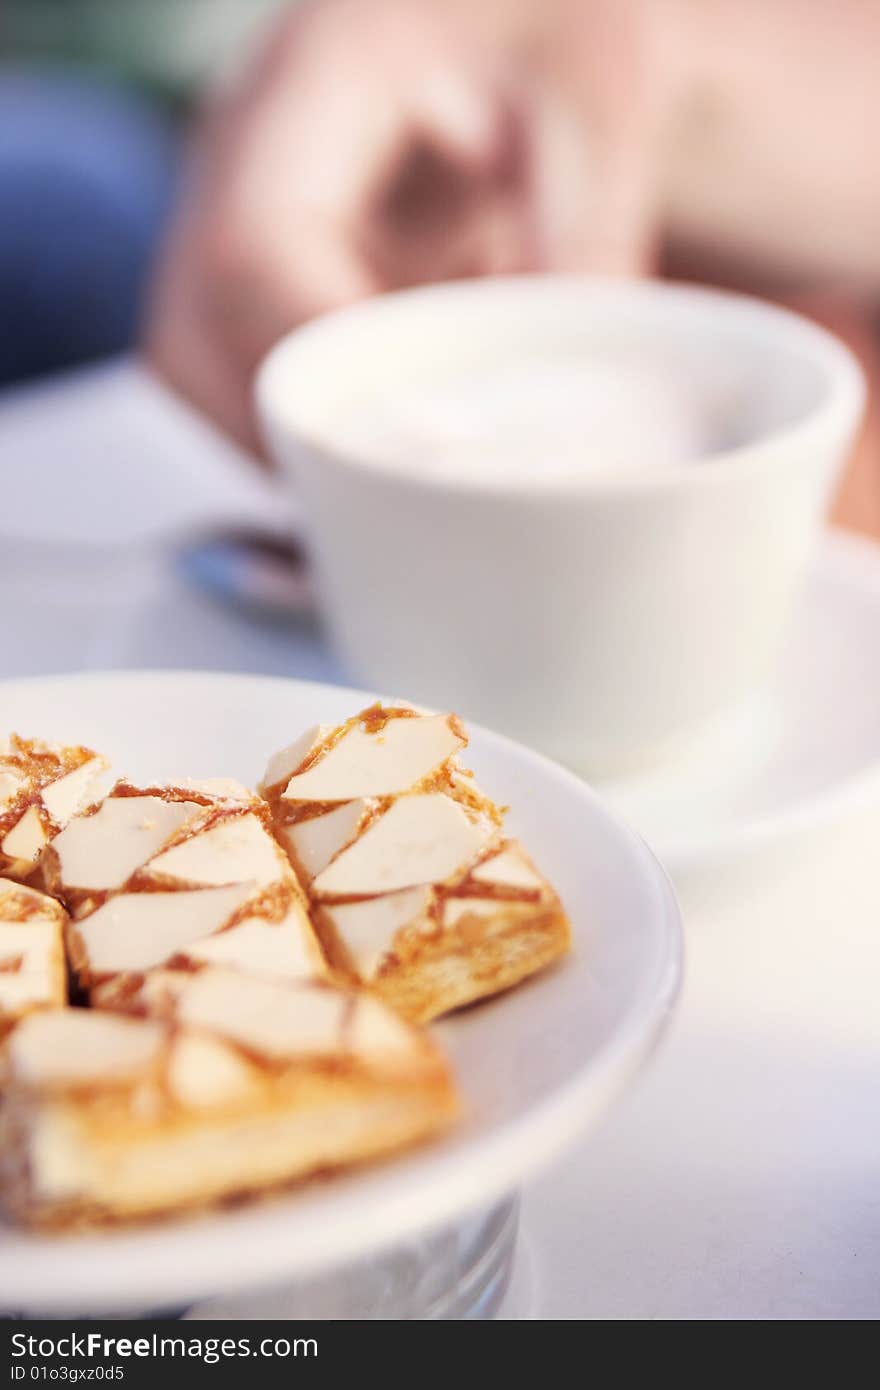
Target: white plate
[805,753]
[535,1066]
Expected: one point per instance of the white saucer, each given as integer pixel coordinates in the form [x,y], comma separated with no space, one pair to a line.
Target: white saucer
[534,1066]
[805,752]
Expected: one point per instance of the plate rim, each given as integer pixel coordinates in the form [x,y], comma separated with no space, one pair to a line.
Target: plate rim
[536,1138]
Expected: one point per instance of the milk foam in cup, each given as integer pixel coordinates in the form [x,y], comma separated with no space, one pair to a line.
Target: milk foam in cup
[554,416]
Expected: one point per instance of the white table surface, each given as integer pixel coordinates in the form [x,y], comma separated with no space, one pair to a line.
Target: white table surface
[741,1177]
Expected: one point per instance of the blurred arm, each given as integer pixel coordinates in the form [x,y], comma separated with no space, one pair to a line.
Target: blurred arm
[772,153]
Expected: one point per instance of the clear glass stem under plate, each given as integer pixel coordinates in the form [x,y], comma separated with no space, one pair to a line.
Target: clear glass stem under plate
[461,1271]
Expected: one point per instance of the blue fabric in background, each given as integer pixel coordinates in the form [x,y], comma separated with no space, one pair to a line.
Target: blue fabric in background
[87,173]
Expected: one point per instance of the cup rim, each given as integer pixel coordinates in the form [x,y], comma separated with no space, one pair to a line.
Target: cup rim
[835,414]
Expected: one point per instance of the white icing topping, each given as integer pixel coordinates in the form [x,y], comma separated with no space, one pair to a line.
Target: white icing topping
[63,798]
[270,948]
[376,1031]
[22,989]
[275,1018]
[205,1072]
[313,843]
[34,944]
[377,764]
[368,928]
[420,839]
[103,850]
[31,963]
[509,868]
[454,909]
[78,1045]
[284,763]
[238,848]
[135,931]
[26,838]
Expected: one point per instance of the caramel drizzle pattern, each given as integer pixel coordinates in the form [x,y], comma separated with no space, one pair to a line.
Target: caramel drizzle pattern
[272,902]
[39,765]
[445,778]
[374,719]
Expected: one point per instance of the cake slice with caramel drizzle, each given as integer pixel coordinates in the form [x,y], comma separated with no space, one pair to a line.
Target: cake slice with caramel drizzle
[218,1084]
[415,889]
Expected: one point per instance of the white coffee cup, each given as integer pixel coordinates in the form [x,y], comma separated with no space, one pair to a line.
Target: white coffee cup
[602,616]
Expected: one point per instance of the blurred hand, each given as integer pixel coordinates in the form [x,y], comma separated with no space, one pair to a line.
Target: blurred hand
[381,143]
